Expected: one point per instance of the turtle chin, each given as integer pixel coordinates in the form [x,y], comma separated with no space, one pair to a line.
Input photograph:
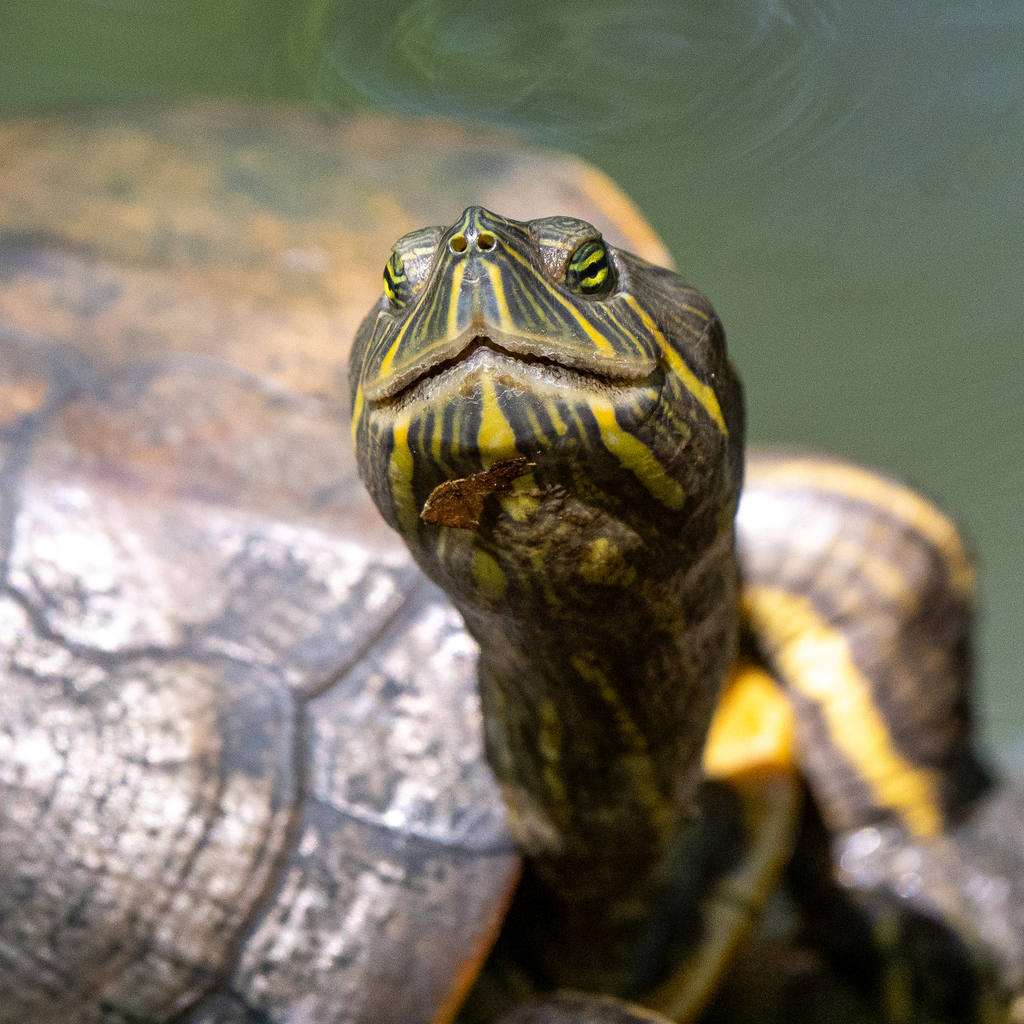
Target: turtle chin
[541,547]
[448,442]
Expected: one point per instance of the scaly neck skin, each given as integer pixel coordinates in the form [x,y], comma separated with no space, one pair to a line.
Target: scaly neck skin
[597,690]
[599,580]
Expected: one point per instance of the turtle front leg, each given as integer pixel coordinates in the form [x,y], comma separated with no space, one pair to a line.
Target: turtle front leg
[859,595]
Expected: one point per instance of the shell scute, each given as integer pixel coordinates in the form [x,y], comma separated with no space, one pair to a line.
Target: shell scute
[226,780]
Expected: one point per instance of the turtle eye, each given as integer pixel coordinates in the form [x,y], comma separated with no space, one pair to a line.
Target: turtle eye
[396,285]
[589,271]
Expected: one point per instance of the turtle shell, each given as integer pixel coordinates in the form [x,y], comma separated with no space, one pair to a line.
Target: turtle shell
[241,771]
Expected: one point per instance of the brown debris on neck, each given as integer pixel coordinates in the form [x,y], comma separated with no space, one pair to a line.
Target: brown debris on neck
[460,503]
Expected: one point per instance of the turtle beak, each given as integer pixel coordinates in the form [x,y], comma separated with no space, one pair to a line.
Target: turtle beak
[489,285]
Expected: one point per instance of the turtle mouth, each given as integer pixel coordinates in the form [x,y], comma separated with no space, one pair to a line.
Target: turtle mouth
[527,371]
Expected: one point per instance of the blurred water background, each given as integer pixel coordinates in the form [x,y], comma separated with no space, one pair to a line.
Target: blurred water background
[845,180]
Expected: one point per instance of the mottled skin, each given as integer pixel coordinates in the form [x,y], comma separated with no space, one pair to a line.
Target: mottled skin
[594,427]
[606,617]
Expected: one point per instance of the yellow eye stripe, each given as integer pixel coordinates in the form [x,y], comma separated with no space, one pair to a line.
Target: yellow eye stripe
[399,287]
[596,256]
[702,392]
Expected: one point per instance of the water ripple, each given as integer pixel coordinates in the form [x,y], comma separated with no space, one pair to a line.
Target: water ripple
[752,81]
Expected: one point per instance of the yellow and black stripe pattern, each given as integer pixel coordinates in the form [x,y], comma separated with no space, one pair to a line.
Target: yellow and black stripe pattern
[487,277]
[580,404]
[581,401]
[859,594]
[498,339]
[589,271]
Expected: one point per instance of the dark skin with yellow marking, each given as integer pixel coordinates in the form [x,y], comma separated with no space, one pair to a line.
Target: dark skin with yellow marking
[584,726]
[602,589]
[603,592]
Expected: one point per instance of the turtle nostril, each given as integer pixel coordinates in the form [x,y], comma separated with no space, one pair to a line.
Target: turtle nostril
[485,241]
[458,243]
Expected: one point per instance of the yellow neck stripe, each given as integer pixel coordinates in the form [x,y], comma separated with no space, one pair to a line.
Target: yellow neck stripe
[635,456]
[702,392]
[400,473]
[357,411]
[495,438]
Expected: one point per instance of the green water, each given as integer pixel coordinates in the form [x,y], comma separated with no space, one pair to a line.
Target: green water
[846,182]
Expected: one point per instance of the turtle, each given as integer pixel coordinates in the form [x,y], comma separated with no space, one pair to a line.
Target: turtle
[242,751]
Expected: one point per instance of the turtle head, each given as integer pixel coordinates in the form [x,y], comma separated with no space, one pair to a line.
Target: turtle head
[554,428]
[547,420]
